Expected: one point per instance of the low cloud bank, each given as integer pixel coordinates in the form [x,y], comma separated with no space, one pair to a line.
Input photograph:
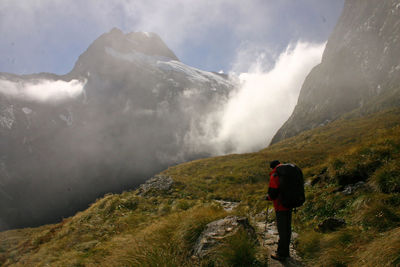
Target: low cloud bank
[42,90]
[264,101]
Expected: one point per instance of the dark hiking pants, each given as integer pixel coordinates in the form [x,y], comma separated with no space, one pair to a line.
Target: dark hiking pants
[284,225]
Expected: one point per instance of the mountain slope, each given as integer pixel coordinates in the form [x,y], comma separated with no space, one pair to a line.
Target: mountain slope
[361,63]
[127,110]
[134,228]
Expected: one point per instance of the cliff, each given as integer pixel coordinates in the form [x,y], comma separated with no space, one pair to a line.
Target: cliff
[360,68]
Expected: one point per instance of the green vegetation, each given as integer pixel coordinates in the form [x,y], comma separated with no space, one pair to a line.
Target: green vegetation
[161,228]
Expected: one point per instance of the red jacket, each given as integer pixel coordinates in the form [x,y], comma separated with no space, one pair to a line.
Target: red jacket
[273,191]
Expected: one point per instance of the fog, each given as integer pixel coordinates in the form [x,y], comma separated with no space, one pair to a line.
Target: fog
[265,99]
[46,91]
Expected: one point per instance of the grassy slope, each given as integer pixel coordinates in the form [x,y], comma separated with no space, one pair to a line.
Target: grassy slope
[126,229]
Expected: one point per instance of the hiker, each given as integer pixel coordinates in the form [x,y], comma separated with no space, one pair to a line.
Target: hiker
[283,215]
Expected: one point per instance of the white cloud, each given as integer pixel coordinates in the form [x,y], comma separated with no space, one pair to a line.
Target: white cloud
[263,102]
[42,90]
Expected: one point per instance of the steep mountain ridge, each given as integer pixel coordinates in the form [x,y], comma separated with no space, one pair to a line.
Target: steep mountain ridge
[360,64]
[127,109]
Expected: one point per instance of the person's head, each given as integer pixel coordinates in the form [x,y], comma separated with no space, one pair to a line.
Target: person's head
[274,163]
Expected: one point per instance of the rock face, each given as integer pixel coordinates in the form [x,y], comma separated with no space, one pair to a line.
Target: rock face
[360,68]
[139,111]
[217,231]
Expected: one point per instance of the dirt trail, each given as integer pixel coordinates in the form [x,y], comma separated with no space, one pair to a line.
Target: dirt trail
[268,235]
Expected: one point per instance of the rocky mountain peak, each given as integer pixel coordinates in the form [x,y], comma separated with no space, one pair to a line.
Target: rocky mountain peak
[117,42]
[143,42]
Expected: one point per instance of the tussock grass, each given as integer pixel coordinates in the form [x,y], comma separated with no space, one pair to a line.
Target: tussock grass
[168,242]
[236,251]
[387,178]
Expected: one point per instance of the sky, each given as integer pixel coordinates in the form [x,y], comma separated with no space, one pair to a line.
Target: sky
[214,35]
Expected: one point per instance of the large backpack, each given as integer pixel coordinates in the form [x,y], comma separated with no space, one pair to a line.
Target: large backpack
[291,185]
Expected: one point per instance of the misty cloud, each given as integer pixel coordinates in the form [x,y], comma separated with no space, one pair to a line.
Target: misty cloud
[42,90]
[250,117]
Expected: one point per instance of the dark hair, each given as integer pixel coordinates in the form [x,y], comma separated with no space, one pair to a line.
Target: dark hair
[274,163]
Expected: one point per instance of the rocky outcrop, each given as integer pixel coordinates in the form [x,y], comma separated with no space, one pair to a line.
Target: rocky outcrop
[157,184]
[215,232]
[360,68]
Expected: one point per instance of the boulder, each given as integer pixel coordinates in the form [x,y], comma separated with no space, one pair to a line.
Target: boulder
[159,183]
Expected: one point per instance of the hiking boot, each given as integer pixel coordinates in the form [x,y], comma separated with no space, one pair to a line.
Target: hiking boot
[278,257]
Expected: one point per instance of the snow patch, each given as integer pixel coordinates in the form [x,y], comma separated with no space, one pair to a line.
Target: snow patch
[128,106]
[67,118]
[27,110]
[135,57]
[147,34]
[378,89]
[168,65]
[193,74]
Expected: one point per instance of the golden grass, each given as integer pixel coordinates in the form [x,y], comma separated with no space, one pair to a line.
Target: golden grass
[383,250]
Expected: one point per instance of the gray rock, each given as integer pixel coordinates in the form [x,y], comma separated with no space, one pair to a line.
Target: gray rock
[350,189]
[159,183]
[216,231]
